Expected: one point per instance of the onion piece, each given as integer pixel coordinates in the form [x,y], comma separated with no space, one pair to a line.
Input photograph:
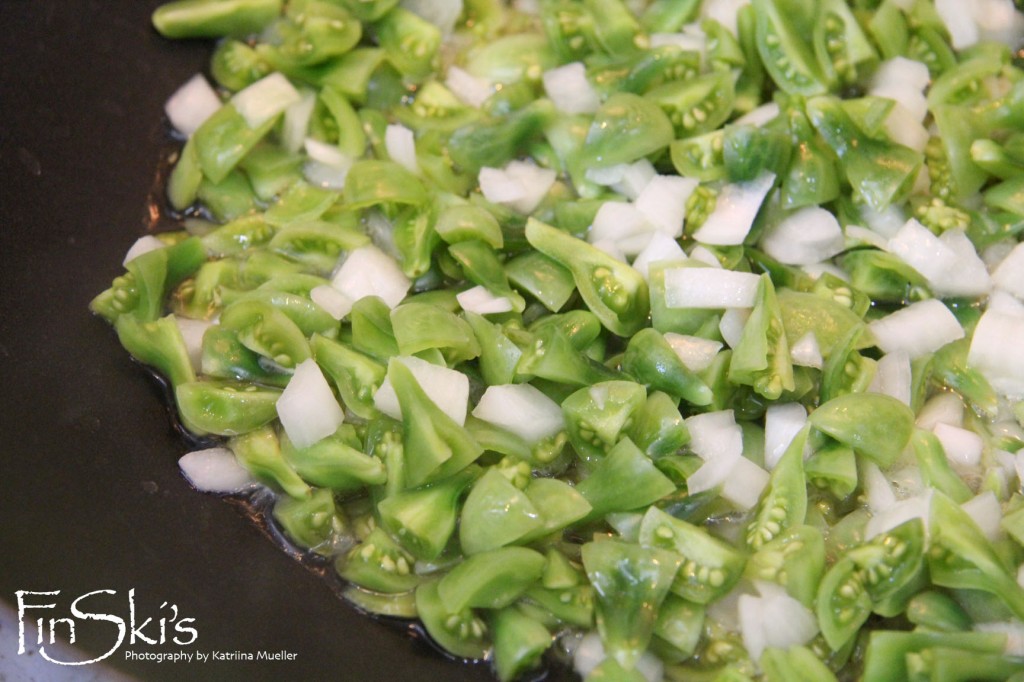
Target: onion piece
[215,470]
[307,407]
[142,245]
[482,302]
[441,13]
[986,511]
[192,332]
[942,408]
[663,202]
[368,271]
[520,185]
[1009,274]
[735,209]
[699,287]
[521,409]
[963,447]
[774,620]
[715,434]
[660,247]
[696,353]
[265,99]
[917,507]
[191,104]
[337,304]
[759,116]
[296,121]
[400,143]
[744,484]
[997,353]
[617,221]
[893,376]
[949,263]
[567,86]
[782,421]
[470,89]
[809,235]
[447,388]
[731,325]
[918,329]
[806,352]
[958,17]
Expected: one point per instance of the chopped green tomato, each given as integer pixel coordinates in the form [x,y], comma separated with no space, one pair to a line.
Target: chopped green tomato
[875,425]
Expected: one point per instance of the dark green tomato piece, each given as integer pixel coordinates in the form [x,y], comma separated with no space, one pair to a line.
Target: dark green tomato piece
[572,605]
[881,172]
[301,203]
[423,519]
[840,45]
[650,359]
[937,611]
[952,664]
[569,27]
[550,355]
[357,376]
[498,354]
[668,16]
[313,33]
[612,290]
[225,357]
[225,408]
[833,468]
[259,266]
[890,560]
[542,277]
[610,670]
[883,276]
[383,440]
[795,559]
[185,178]
[813,176]
[308,521]
[496,513]
[796,664]
[410,42]
[749,151]
[875,425]
[368,10]
[204,19]
[657,66]
[519,642]
[235,65]
[318,244]
[935,468]
[697,105]
[580,327]
[658,427]
[623,480]
[709,567]
[828,320]
[559,505]
[761,358]
[228,199]
[597,416]
[783,504]
[335,464]
[224,139]
[630,583]
[158,344]
[681,624]
[845,370]
[371,182]
[271,171]
[492,579]
[259,451]
[843,603]
[996,160]
[340,122]
[237,236]
[465,222]
[961,557]
[435,445]
[399,605]
[1007,196]
[423,326]
[888,651]
[951,369]
[307,316]
[434,111]
[888,27]
[626,127]
[266,330]
[616,29]
[379,564]
[786,53]
[372,332]
[724,51]
[493,142]
[462,633]
[700,156]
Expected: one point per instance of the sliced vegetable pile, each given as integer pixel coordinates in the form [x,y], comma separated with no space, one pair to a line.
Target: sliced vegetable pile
[680,337]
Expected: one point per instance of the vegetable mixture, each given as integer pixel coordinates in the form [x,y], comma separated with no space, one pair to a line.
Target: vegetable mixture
[680,338]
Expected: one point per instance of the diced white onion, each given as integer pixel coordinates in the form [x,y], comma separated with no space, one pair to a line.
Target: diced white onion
[699,287]
[715,434]
[879,492]
[447,388]
[192,332]
[724,12]
[892,376]
[191,105]
[959,21]
[520,185]
[660,247]
[809,235]
[691,39]
[215,470]
[307,407]
[368,271]
[441,13]
[328,166]
[903,128]
[917,507]
[735,209]
[856,234]
[142,245]
[570,91]
[337,304]
[942,408]
[712,473]
[963,447]
[470,89]
[774,620]
[744,484]
[759,116]
[951,267]
[704,255]
[887,222]
[999,20]
[918,329]
[589,654]
[1009,275]
[1013,629]
[296,121]
[731,325]
[401,146]
[522,409]
[612,248]
[996,352]
[782,421]
[695,352]
[663,202]
[635,177]
[806,352]
[617,221]
[1000,301]
[265,99]
[903,80]
[986,511]
[482,302]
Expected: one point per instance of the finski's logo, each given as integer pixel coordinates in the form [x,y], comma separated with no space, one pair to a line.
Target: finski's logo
[168,627]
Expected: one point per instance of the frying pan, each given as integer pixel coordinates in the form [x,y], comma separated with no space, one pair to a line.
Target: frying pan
[92,498]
